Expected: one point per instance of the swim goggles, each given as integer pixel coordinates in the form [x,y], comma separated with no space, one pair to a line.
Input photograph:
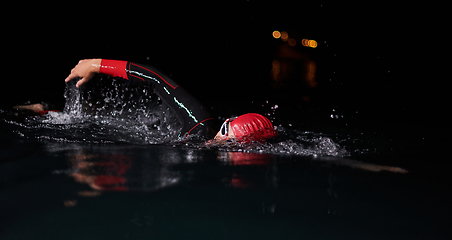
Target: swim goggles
[224,130]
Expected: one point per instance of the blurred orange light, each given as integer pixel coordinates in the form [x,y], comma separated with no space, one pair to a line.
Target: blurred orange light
[284,36]
[309,43]
[292,42]
[312,43]
[276,34]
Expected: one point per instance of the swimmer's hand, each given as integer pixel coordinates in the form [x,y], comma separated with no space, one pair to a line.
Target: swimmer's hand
[86,69]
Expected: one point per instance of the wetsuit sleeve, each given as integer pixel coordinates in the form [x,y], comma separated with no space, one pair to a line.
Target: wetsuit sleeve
[194,116]
[113,68]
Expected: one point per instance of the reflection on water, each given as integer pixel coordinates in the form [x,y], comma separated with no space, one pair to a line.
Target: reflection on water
[240,158]
[151,169]
[106,174]
[123,168]
[241,179]
[144,169]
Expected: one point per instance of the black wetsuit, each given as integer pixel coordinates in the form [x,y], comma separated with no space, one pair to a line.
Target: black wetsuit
[195,118]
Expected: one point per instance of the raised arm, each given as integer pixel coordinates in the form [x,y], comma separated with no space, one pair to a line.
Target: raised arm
[194,116]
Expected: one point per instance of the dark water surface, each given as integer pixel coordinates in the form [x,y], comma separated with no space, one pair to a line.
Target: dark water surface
[111,167]
[123,191]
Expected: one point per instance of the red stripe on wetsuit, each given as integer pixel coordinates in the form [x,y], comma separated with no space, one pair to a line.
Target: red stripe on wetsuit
[114,68]
[117,68]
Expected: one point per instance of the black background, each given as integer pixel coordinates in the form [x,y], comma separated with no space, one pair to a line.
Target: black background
[377,59]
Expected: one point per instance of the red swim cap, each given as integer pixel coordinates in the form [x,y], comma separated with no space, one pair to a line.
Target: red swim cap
[253,127]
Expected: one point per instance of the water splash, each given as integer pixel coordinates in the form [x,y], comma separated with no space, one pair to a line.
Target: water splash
[110,110]
[291,142]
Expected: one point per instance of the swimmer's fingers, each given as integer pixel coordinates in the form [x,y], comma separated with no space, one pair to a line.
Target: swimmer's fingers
[81,82]
[71,76]
[85,69]
[84,80]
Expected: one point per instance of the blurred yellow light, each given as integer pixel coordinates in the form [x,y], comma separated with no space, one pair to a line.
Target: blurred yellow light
[284,36]
[292,42]
[309,43]
[276,34]
[312,43]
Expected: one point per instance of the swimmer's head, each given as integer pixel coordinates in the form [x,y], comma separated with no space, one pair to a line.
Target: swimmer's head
[247,127]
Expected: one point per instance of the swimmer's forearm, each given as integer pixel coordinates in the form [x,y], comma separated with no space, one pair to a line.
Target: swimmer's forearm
[86,69]
[115,68]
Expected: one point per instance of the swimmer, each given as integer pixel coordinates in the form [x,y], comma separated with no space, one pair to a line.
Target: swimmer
[195,118]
